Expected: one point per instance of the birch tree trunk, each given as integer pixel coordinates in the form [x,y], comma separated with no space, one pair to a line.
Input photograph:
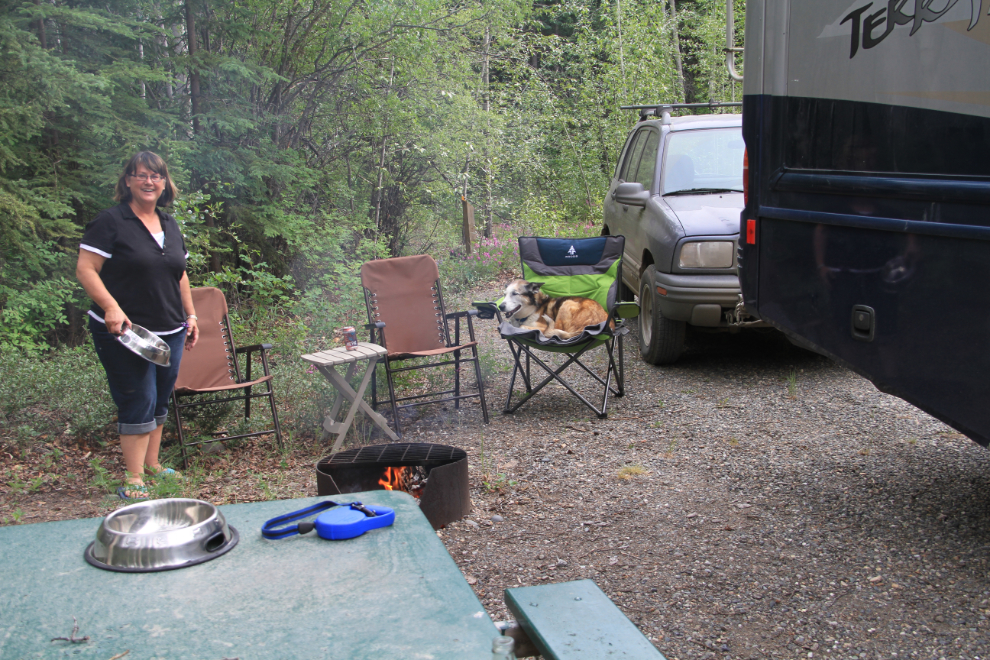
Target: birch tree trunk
[677,48]
[193,70]
[622,62]
[486,96]
[380,180]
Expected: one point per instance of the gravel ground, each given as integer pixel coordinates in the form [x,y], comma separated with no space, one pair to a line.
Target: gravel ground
[752,501]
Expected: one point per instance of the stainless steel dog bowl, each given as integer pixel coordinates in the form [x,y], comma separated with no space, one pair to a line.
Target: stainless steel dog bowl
[159,535]
[146,344]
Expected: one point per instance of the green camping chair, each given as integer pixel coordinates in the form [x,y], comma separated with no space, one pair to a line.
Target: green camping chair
[588,267]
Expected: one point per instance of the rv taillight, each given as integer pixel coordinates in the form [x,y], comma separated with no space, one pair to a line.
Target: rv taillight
[746,177]
[750,232]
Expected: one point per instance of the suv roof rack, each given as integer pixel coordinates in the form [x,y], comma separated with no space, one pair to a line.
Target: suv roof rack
[664,109]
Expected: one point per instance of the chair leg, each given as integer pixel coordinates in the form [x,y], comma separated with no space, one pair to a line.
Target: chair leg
[516,355]
[278,428]
[457,379]
[609,370]
[553,375]
[481,386]
[620,375]
[512,382]
[178,426]
[391,394]
[374,386]
[517,370]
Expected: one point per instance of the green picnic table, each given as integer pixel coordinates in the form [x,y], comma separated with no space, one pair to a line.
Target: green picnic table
[394,592]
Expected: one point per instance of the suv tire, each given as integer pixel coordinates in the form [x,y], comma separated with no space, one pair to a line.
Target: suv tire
[661,340]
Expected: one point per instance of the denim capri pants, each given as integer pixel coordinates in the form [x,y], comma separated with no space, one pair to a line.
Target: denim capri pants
[141,389]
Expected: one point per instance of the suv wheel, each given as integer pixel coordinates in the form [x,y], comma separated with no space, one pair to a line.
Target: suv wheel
[661,340]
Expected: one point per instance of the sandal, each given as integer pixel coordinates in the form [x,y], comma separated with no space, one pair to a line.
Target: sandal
[141,489]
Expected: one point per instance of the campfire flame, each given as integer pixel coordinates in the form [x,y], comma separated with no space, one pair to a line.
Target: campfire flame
[405,479]
[392,479]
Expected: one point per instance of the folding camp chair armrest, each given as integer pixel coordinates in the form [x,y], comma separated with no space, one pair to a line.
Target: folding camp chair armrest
[487,310]
[380,327]
[625,310]
[263,349]
[253,347]
[469,314]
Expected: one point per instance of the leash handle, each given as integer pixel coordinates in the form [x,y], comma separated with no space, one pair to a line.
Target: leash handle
[270,530]
[274,529]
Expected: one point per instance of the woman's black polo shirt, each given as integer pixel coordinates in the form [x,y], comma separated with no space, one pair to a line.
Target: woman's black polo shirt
[141,276]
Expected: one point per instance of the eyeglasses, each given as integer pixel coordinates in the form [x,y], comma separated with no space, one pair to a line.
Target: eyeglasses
[154,178]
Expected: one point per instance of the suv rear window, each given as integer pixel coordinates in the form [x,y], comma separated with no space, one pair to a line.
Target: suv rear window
[648,161]
[632,155]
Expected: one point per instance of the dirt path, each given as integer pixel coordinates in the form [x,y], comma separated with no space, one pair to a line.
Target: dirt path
[752,501]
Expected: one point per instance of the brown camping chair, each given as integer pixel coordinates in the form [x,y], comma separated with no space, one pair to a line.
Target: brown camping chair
[408,318]
[212,367]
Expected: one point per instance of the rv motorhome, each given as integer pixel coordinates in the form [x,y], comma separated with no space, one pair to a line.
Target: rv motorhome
[866,228]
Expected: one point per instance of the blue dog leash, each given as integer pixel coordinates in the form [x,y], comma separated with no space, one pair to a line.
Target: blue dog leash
[338,522]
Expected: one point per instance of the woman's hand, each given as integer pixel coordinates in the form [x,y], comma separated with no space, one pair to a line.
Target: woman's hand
[117,321]
[192,333]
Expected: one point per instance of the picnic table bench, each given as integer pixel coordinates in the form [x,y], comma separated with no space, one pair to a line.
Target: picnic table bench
[577,621]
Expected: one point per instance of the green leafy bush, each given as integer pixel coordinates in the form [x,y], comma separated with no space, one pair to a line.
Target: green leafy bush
[35,290]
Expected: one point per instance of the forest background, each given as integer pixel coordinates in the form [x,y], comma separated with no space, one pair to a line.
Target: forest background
[306,137]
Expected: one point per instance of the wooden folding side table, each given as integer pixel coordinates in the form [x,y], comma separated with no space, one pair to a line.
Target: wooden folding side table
[327,362]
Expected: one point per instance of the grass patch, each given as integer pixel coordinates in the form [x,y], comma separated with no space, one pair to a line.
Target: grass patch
[102,479]
[628,472]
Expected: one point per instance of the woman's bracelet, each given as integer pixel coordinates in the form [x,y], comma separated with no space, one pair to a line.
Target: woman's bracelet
[193,317]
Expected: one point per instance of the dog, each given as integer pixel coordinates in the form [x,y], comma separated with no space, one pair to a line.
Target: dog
[525,306]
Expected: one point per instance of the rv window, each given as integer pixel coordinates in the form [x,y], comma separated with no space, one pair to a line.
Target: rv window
[825,134]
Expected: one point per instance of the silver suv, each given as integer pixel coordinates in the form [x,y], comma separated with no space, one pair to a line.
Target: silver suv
[676,196]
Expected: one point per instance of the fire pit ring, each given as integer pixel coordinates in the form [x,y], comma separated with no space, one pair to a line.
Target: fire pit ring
[436,474]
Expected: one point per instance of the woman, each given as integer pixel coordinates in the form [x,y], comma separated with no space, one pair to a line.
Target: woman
[132,263]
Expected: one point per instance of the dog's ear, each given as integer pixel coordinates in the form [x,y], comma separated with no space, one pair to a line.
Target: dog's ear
[535,286]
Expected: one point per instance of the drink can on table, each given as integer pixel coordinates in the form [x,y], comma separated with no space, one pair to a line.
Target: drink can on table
[349,335]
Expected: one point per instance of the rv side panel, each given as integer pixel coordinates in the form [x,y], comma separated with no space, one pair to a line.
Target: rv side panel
[868,131]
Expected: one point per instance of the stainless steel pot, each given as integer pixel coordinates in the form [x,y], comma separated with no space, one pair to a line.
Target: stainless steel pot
[146,344]
[159,535]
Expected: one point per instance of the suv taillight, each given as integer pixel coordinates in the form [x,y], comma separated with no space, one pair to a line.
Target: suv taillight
[746,177]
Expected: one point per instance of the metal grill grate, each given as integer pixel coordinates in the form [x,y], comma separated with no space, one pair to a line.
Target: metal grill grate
[395,454]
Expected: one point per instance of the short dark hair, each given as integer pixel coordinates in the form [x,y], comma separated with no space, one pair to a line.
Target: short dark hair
[156,164]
